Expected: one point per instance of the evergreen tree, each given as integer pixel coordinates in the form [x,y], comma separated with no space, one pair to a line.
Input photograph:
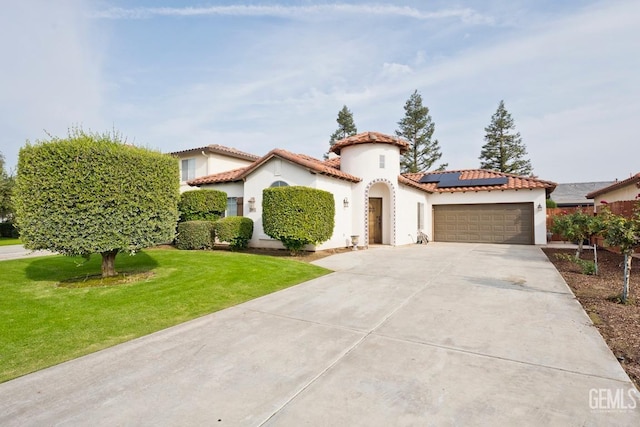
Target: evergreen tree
[417,128]
[504,150]
[6,189]
[346,127]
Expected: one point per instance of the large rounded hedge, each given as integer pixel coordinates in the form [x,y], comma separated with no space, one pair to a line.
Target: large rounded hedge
[235,230]
[195,235]
[202,205]
[298,216]
[93,193]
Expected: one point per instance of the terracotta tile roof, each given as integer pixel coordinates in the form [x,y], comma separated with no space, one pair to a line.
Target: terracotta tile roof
[310,163]
[369,137]
[227,176]
[219,149]
[634,179]
[413,183]
[514,182]
[334,163]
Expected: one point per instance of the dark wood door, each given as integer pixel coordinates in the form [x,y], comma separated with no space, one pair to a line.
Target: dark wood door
[375,220]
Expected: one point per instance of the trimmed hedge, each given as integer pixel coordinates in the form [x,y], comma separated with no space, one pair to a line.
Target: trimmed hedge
[93,193]
[202,205]
[195,235]
[298,216]
[7,229]
[236,230]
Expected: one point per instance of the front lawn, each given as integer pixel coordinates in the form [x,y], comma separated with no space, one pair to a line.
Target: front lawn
[43,324]
[6,241]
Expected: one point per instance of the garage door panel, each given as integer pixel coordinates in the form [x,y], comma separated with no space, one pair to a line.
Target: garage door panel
[485,223]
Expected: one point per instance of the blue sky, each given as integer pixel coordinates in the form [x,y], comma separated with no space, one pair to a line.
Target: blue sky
[256,75]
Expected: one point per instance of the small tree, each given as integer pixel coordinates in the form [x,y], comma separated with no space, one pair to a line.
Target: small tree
[92,193]
[624,233]
[417,128]
[504,150]
[7,183]
[346,127]
[298,216]
[576,227]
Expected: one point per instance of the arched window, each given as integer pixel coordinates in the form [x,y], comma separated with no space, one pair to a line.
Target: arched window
[279,184]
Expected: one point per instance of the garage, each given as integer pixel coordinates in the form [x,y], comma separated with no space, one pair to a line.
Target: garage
[510,223]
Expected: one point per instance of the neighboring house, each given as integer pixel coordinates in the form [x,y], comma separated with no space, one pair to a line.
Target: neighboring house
[572,194]
[203,161]
[381,206]
[628,189]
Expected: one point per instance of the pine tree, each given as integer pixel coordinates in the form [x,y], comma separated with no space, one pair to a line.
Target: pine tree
[346,127]
[504,150]
[417,128]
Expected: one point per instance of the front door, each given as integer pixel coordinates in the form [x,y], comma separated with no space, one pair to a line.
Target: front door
[375,220]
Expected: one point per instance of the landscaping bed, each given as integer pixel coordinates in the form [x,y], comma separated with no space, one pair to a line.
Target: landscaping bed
[618,323]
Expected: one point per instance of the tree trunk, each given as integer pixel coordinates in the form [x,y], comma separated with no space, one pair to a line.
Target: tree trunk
[108,263]
[627,272]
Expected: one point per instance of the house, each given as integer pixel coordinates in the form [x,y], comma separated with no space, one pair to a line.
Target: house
[628,189]
[381,206]
[572,195]
[203,161]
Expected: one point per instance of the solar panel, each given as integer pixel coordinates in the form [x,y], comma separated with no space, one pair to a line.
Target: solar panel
[452,180]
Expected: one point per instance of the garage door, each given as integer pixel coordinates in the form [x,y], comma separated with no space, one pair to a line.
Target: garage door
[495,223]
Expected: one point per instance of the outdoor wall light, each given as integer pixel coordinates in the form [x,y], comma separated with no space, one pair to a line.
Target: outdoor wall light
[252,204]
[345,202]
[539,207]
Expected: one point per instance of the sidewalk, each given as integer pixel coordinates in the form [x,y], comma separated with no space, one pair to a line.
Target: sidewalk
[18,251]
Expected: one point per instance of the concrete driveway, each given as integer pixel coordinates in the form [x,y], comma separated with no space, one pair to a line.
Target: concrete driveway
[443,334]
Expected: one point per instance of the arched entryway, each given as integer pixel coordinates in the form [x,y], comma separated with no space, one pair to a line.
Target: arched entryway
[380,215]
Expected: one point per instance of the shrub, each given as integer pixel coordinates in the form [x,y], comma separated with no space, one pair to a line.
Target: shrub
[587,267]
[298,216]
[7,229]
[236,230]
[551,204]
[93,193]
[195,235]
[202,205]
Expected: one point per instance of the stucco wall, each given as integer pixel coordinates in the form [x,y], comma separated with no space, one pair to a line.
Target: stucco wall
[407,215]
[209,164]
[628,192]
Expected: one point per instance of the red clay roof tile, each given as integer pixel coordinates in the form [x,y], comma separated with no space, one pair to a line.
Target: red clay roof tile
[368,138]
[219,149]
[310,163]
[514,182]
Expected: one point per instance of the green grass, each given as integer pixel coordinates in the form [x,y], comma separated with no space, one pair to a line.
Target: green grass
[42,324]
[6,241]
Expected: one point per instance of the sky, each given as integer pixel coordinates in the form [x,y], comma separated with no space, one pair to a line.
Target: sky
[258,75]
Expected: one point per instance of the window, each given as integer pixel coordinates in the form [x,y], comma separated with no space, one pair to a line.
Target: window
[420,216]
[234,206]
[188,169]
[279,184]
[381,161]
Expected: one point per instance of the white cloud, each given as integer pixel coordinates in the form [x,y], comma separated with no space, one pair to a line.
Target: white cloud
[466,15]
[393,69]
